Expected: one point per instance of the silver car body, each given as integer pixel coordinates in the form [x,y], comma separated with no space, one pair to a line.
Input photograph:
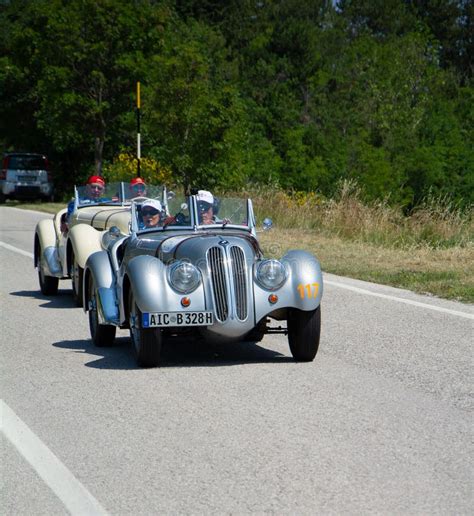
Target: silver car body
[227,257]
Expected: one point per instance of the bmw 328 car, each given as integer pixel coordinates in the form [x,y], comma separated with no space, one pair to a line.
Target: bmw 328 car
[63,244]
[199,270]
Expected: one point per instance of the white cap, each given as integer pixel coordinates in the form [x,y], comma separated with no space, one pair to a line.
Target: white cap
[205,196]
[152,203]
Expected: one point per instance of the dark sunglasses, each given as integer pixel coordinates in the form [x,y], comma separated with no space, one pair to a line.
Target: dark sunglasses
[150,213]
[203,206]
[139,188]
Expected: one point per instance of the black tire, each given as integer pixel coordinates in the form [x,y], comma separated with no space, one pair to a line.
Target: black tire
[146,341]
[304,329]
[2,198]
[77,274]
[101,334]
[48,284]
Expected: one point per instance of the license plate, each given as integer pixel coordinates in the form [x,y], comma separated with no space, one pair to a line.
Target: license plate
[27,179]
[160,319]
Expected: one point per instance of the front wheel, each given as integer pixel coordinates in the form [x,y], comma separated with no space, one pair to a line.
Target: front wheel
[101,334]
[48,284]
[146,341]
[77,273]
[304,329]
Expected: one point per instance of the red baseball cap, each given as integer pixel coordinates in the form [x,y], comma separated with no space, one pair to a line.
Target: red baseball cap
[96,179]
[137,181]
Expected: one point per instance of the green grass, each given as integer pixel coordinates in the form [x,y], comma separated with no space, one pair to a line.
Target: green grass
[47,207]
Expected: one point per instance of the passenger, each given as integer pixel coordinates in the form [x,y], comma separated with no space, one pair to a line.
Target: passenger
[137,188]
[151,213]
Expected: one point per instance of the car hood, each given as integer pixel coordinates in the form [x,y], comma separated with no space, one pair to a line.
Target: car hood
[194,247]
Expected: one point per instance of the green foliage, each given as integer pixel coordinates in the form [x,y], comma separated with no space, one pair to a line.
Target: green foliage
[298,93]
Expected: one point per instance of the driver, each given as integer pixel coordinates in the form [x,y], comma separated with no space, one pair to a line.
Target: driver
[93,191]
[137,188]
[206,204]
[151,213]
[94,188]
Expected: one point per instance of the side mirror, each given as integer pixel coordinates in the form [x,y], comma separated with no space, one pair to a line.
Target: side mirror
[170,195]
[267,224]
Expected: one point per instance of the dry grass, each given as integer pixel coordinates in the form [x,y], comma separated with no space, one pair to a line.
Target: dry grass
[443,272]
[435,224]
[429,251]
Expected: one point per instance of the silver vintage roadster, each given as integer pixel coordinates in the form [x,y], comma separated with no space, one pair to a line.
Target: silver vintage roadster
[199,269]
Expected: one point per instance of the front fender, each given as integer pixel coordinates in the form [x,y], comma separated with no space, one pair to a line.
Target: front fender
[148,280]
[85,240]
[45,243]
[99,268]
[302,289]
[306,279]
[46,234]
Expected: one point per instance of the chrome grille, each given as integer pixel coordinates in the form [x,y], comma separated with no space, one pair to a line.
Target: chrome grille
[218,280]
[240,285]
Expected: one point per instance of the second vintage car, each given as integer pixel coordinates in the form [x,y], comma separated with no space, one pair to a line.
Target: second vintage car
[200,267]
[63,243]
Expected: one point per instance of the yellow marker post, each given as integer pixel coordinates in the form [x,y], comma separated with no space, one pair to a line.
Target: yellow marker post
[138,130]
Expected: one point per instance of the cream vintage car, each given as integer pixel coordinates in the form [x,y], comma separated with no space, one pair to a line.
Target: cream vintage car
[63,244]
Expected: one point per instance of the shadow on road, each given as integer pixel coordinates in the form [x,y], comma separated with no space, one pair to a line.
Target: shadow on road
[63,299]
[177,353]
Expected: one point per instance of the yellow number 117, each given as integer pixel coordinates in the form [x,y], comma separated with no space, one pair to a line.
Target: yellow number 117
[308,290]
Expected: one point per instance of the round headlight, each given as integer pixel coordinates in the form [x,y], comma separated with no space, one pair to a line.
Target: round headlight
[184,277]
[271,274]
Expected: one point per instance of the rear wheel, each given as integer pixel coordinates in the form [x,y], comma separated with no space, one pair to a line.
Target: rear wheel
[146,341]
[101,334]
[77,273]
[48,284]
[304,329]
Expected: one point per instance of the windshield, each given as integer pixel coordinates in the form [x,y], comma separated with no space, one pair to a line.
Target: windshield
[137,190]
[162,213]
[223,212]
[180,212]
[96,193]
[27,163]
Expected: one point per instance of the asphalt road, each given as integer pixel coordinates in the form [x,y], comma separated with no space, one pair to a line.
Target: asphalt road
[380,422]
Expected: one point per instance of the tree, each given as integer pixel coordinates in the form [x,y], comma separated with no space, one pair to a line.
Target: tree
[85,57]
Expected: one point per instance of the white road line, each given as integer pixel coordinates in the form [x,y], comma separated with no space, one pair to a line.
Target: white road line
[399,299]
[75,497]
[16,250]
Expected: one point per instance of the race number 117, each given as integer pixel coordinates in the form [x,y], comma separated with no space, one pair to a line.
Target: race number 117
[309,290]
